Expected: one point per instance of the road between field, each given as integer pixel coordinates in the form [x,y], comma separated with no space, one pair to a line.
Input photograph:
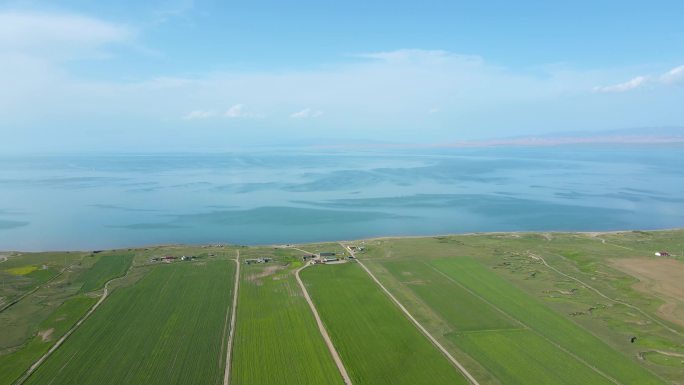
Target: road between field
[427,334]
[573,355]
[59,342]
[14,302]
[233,311]
[539,257]
[321,328]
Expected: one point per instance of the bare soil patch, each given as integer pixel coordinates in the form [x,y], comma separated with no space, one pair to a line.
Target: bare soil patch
[46,334]
[661,278]
[264,273]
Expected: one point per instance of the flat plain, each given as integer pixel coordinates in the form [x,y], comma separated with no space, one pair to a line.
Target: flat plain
[511,308]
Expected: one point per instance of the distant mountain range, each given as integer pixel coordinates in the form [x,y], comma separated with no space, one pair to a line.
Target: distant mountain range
[642,135]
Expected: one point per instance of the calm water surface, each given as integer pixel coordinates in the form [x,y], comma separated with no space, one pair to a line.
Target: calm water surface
[105,201]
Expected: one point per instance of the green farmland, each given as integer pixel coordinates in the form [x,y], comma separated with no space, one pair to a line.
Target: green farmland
[552,308]
[106,268]
[601,364]
[509,333]
[168,328]
[377,343]
[276,338]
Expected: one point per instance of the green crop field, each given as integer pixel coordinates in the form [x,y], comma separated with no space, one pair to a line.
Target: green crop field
[376,342]
[166,329]
[525,308]
[452,302]
[523,357]
[106,268]
[276,337]
[550,326]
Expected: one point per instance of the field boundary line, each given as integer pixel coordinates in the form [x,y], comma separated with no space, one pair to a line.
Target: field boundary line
[557,345]
[233,311]
[321,327]
[59,342]
[491,330]
[35,289]
[427,334]
[597,291]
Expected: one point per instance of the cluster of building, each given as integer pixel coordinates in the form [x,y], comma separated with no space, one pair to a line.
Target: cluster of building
[258,260]
[171,258]
[325,257]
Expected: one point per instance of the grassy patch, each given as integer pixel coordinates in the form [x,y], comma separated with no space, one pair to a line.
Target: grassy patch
[13,364]
[166,329]
[22,270]
[377,343]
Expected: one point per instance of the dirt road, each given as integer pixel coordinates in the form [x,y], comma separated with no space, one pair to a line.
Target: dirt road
[321,328]
[233,312]
[629,305]
[59,342]
[432,339]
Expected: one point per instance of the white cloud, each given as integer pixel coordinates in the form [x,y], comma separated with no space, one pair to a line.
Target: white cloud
[306,114]
[629,85]
[673,76]
[235,111]
[422,56]
[62,35]
[200,114]
[434,110]
[387,94]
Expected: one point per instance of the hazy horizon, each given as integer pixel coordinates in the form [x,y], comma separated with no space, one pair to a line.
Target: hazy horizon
[205,75]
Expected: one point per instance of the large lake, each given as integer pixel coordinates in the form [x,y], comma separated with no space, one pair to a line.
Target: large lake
[284,196]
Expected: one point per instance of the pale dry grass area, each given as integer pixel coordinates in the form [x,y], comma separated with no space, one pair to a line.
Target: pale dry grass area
[662,278]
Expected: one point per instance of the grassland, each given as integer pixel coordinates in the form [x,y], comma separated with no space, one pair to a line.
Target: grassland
[22,270]
[526,308]
[550,326]
[276,338]
[51,329]
[591,324]
[376,342]
[166,329]
[21,273]
[106,268]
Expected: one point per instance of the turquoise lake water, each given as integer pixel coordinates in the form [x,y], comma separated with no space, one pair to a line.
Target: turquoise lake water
[286,196]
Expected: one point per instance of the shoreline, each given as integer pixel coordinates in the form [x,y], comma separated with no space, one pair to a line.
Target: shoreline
[8,253]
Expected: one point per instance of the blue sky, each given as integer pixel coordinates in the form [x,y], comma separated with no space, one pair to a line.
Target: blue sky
[138,76]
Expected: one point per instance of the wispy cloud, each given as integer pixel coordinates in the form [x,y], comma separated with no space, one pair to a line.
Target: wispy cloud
[306,114]
[52,34]
[629,85]
[434,110]
[199,114]
[236,111]
[675,75]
